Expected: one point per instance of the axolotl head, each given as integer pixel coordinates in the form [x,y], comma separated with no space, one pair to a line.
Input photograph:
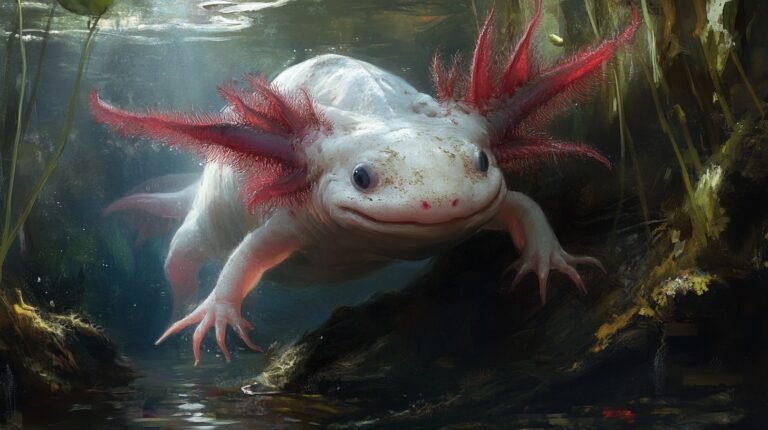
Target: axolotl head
[411,178]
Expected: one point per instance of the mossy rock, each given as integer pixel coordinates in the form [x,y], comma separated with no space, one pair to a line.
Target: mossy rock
[55,357]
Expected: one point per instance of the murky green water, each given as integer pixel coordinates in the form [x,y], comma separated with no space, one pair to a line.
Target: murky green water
[172,55]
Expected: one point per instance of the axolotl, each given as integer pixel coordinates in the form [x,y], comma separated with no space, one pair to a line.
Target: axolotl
[337,168]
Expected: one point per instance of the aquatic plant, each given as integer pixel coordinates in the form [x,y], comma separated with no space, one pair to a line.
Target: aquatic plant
[94,9]
[686,282]
[619,72]
[53,354]
[17,136]
[38,70]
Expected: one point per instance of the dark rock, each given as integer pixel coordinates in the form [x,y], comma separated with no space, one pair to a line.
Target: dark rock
[55,360]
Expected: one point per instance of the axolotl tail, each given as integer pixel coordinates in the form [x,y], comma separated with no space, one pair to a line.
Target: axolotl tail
[155,213]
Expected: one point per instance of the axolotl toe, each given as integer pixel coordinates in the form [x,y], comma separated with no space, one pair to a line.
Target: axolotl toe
[337,167]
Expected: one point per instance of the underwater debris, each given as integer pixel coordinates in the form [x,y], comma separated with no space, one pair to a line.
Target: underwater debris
[696,282]
[555,39]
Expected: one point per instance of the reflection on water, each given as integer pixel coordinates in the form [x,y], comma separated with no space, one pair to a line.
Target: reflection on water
[170,395]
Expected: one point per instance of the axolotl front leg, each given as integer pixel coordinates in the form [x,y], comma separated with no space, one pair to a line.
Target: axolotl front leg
[260,250]
[540,251]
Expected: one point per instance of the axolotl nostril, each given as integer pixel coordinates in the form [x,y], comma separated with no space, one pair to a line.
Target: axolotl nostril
[337,167]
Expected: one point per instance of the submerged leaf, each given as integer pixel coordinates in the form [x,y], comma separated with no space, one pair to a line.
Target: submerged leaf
[86,7]
[121,251]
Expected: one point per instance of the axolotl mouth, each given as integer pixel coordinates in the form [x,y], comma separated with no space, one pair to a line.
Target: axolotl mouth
[369,219]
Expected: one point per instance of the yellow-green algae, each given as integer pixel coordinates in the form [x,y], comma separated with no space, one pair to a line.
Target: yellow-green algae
[39,345]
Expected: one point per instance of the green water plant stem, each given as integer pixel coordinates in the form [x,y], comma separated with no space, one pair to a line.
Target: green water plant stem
[590,6]
[696,219]
[665,127]
[477,18]
[17,136]
[53,162]
[692,153]
[623,152]
[745,79]
[38,71]
[625,137]
[658,77]
[715,77]
[639,183]
[630,144]
[4,99]
[710,128]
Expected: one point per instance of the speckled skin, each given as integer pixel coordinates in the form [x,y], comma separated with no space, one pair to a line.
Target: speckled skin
[429,194]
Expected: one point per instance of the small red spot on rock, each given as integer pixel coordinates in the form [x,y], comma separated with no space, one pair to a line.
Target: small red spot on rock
[425,205]
[619,414]
[455,202]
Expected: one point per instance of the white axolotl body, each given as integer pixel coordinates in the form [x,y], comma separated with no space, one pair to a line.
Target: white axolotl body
[399,176]
[429,195]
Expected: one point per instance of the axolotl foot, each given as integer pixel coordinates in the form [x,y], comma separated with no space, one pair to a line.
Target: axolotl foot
[217,314]
[542,258]
[539,248]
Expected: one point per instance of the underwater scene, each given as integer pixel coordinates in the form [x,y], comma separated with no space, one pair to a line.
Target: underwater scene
[427,214]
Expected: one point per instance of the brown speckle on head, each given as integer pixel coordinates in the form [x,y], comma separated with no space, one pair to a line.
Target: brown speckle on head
[469,169]
[418,177]
[392,154]
[441,200]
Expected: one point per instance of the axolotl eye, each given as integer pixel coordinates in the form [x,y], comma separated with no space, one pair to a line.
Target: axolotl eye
[481,161]
[363,177]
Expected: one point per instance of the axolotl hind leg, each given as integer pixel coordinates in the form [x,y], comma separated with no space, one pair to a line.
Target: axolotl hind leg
[260,250]
[153,212]
[186,256]
[539,248]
